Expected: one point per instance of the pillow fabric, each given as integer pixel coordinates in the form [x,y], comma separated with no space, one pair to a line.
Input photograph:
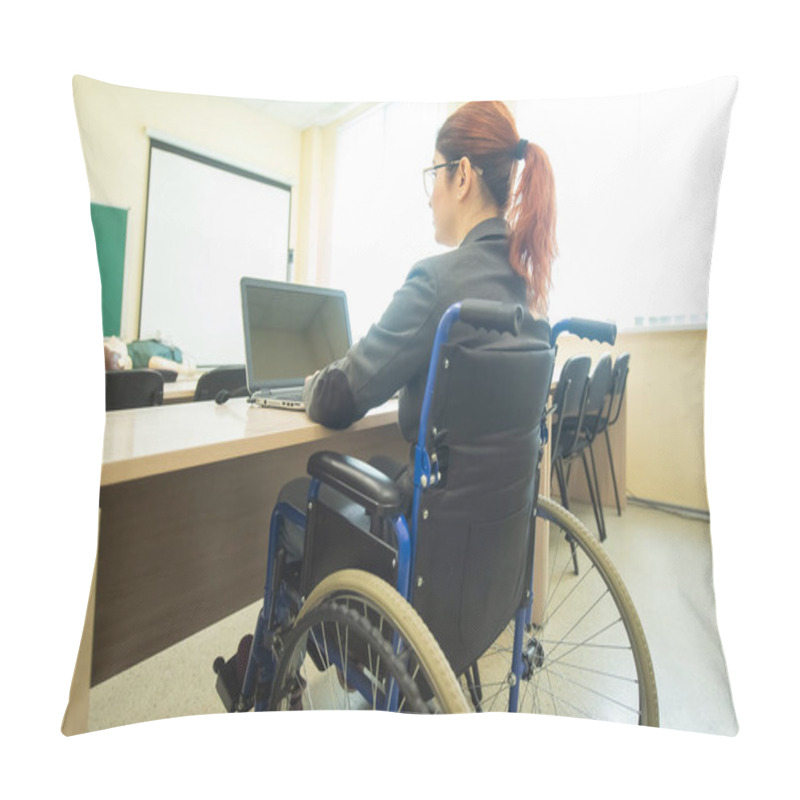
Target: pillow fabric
[637,180]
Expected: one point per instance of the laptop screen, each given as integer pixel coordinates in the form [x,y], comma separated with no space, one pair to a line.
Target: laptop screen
[291,331]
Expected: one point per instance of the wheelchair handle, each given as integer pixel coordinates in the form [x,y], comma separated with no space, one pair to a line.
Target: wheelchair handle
[492,315]
[586,329]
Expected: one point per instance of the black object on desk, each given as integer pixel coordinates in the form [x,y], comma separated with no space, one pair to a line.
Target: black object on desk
[133,388]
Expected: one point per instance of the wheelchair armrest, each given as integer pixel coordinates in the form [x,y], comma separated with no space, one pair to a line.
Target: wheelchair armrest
[358,481]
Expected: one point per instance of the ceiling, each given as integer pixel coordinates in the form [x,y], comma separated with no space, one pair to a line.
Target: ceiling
[298,114]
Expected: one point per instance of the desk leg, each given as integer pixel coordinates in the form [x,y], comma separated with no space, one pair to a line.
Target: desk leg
[542,543]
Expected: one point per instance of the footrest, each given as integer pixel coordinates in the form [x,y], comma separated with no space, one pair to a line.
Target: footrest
[226,682]
[230,675]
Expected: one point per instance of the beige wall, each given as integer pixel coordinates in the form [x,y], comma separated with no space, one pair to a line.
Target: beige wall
[665,435]
[113,122]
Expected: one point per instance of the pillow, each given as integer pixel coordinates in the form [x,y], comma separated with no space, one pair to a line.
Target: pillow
[182,543]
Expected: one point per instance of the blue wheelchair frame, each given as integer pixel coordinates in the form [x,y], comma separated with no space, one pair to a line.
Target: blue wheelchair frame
[261,664]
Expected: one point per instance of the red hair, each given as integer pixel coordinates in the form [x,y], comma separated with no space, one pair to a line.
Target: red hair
[486,133]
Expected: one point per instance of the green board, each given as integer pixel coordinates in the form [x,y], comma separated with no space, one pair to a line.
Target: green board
[110,227]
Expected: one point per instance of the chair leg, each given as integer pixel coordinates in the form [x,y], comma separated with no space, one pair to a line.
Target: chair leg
[592,496]
[597,491]
[558,468]
[613,474]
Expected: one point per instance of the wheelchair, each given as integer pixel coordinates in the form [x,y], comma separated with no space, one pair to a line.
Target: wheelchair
[431,603]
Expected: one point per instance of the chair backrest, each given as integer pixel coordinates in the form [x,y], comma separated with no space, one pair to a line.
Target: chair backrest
[473,535]
[133,388]
[598,397]
[620,380]
[569,402]
[231,377]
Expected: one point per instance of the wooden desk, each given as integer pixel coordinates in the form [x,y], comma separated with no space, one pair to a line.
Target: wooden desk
[186,495]
[185,498]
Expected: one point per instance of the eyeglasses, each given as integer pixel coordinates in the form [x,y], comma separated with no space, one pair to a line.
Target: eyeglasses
[429,175]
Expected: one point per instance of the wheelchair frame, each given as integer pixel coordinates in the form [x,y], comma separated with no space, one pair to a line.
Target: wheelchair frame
[252,689]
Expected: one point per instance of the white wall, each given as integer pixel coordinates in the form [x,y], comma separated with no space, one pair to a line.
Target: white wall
[113,121]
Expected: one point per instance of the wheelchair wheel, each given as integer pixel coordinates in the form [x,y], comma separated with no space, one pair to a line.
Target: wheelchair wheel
[357,644]
[589,657]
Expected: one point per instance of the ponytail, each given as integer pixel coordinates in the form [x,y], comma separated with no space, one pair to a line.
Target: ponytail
[532,223]
[486,133]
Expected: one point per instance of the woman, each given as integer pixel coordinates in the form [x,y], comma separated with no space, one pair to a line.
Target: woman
[504,244]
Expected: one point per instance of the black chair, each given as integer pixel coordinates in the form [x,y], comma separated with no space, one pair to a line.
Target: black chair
[231,378]
[595,417]
[133,388]
[569,403]
[616,396]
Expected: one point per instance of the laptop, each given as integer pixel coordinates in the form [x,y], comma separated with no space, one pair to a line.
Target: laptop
[290,331]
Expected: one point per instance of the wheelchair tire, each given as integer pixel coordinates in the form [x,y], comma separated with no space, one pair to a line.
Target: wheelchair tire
[589,658]
[341,653]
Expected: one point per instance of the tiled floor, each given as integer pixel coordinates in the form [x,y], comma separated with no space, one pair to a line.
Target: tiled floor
[664,559]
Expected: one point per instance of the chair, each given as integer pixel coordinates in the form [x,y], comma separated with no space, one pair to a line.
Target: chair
[231,378]
[133,388]
[569,404]
[595,416]
[617,395]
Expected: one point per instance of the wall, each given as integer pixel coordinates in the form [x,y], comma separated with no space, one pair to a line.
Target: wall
[113,121]
[315,216]
[665,410]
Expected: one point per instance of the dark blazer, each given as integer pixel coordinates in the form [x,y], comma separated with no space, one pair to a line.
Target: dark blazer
[395,352]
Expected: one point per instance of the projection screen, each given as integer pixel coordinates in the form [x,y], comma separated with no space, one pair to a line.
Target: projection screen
[208,224]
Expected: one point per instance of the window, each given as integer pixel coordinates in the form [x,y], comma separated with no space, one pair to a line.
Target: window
[382,224]
[634,209]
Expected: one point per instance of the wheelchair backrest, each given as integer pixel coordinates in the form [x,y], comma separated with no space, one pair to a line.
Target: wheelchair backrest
[473,526]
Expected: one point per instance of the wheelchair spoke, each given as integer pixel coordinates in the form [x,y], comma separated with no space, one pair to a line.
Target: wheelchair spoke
[497,688]
[581,712]
[584,576]
[586,658]
[329,663]
[603,673]
[346,664]
[574,646]
[588,689]
[374,671]
[555,584]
